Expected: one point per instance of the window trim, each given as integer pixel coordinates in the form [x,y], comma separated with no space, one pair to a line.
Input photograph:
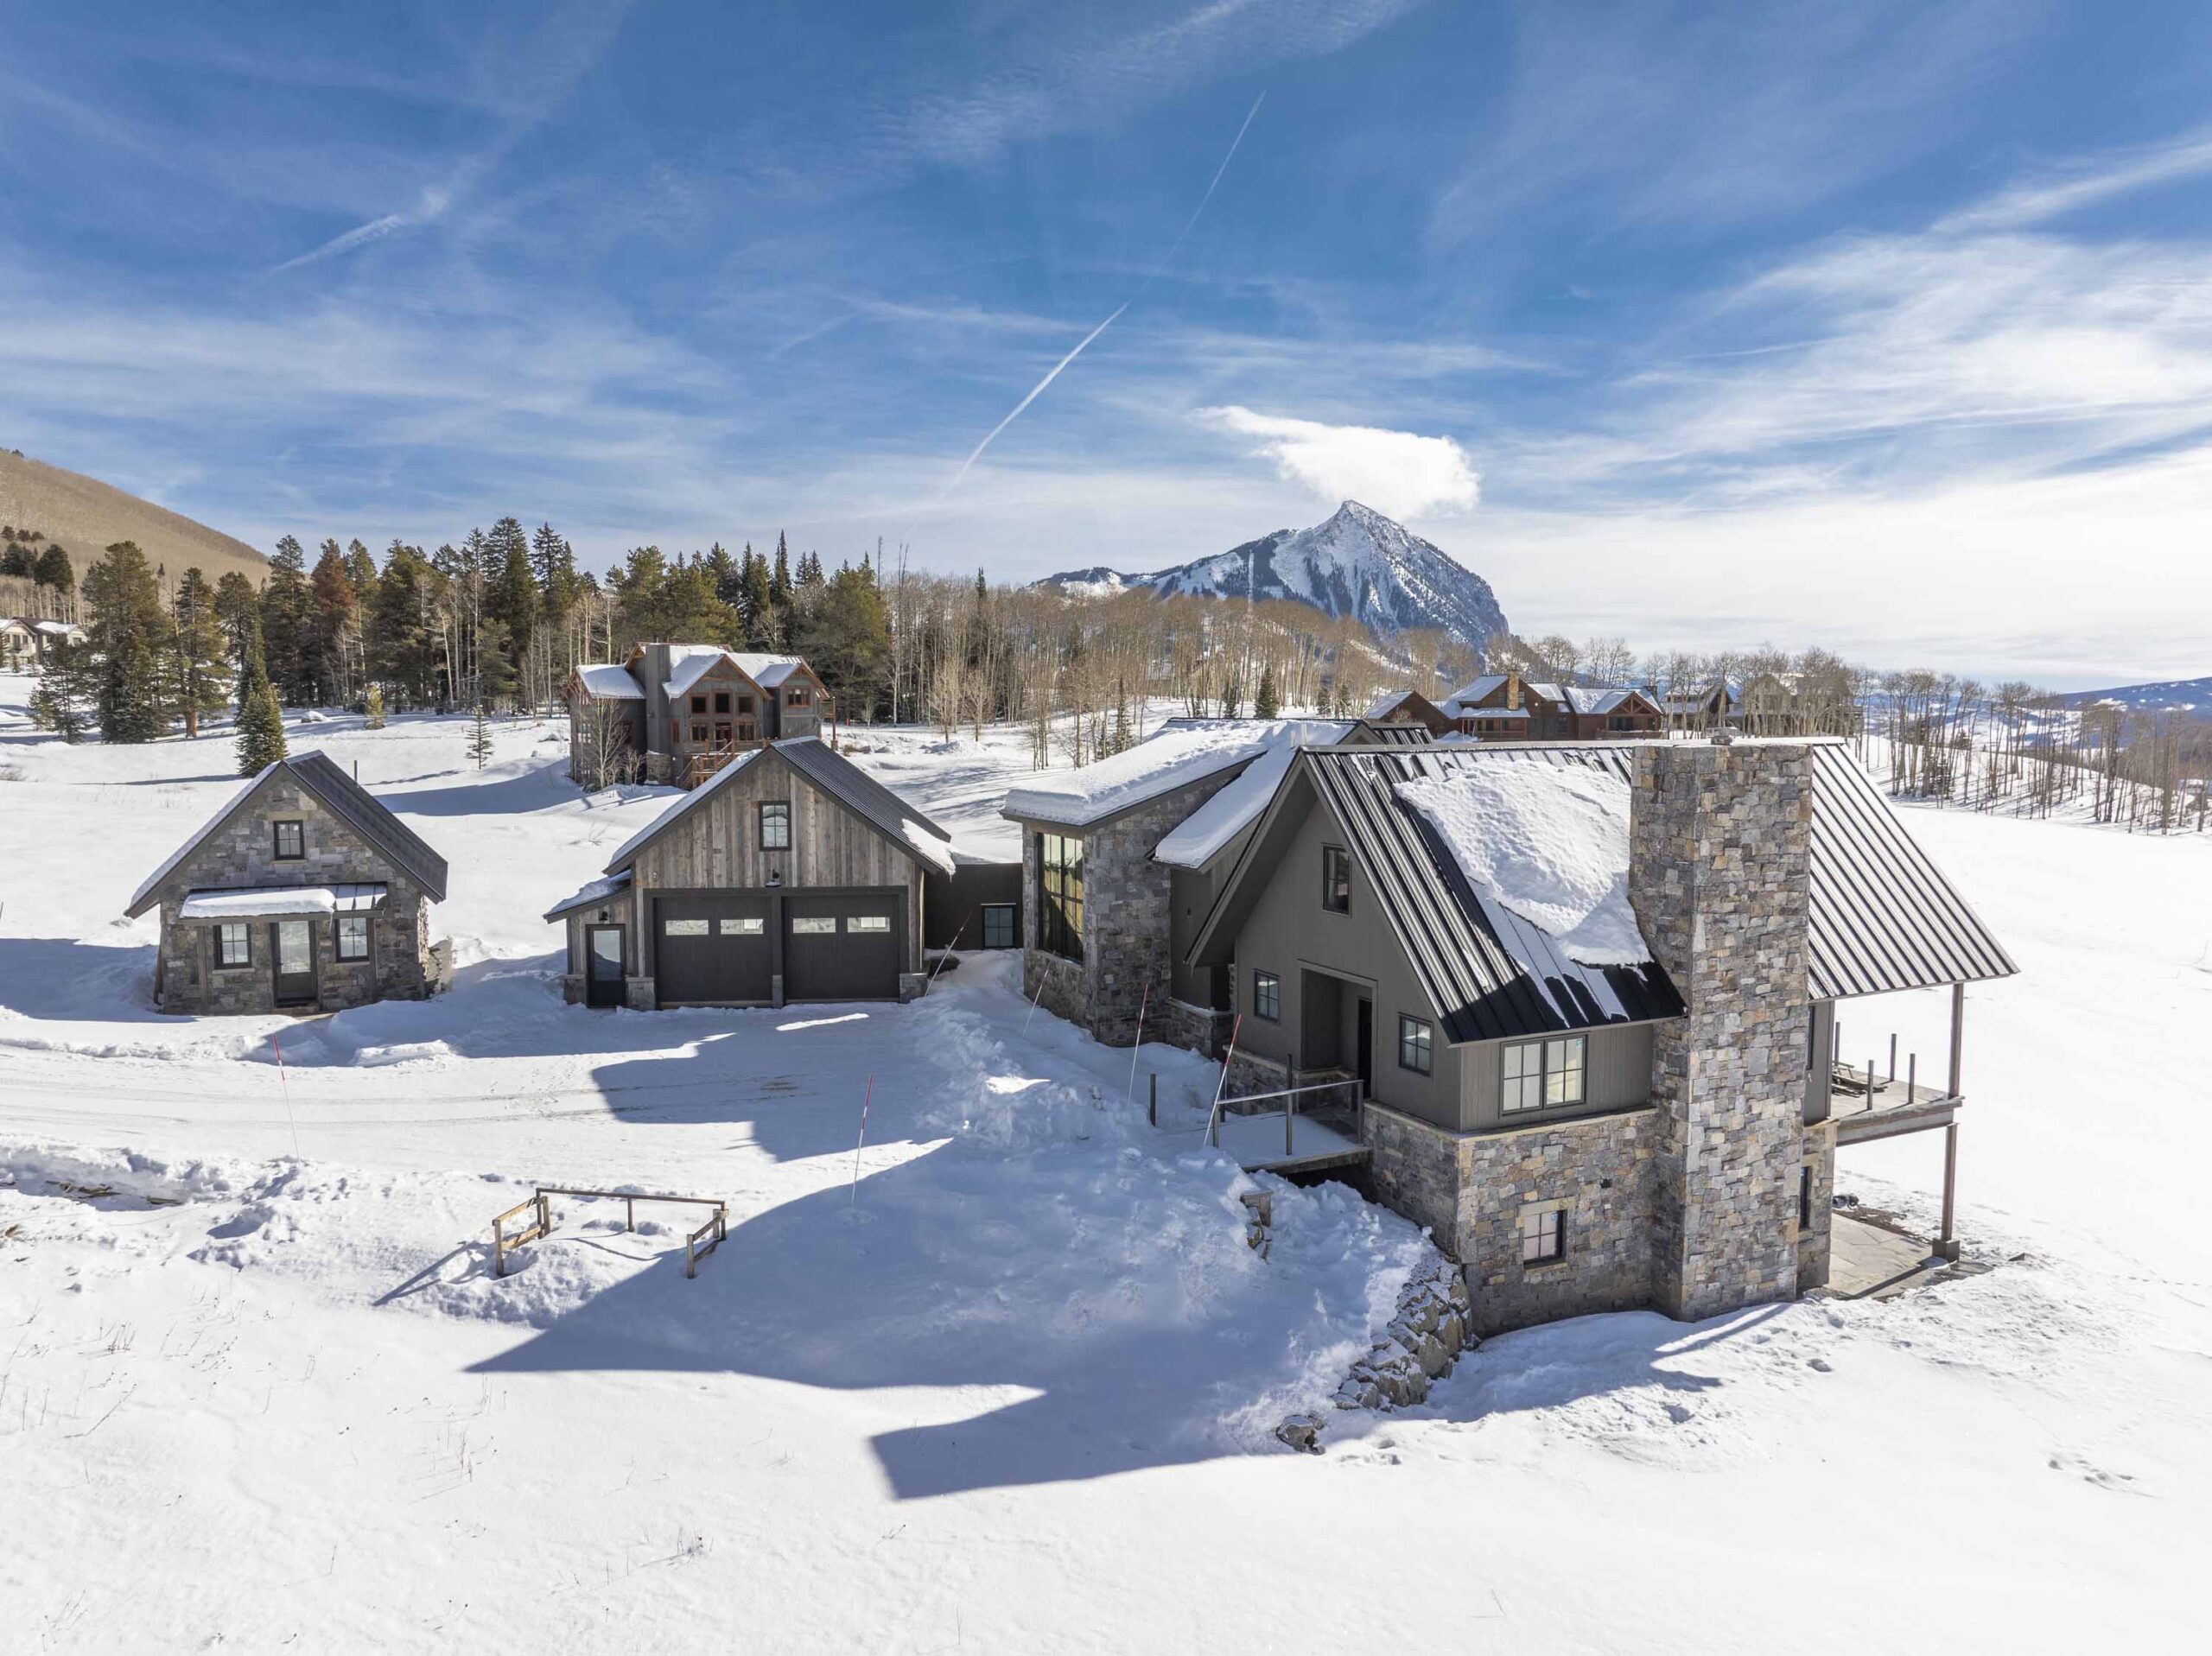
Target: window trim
[1409,1027]
[699,702]
[338,924]
[1013,913]
[1266,989]
[782,818]
[1549,1238]
[245,930]
[277,826]
[1541,1076]
[721,701]
[1060,917]
[1329,853]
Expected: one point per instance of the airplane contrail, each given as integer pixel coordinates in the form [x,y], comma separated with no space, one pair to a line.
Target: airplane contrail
[976,452]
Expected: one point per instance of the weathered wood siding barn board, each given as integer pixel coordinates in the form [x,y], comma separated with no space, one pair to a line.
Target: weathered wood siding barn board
[719,844]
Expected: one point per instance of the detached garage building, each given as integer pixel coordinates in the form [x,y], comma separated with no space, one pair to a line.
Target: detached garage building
[791,875]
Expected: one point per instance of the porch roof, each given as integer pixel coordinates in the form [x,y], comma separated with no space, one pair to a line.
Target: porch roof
[276,902]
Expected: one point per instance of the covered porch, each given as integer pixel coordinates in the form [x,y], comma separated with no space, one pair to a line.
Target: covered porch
[1886,1096]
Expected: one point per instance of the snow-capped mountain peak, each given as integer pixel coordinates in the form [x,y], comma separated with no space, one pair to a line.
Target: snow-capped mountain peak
[1359,563]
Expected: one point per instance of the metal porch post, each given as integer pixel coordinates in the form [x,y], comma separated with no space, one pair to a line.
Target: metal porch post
[1946,1245]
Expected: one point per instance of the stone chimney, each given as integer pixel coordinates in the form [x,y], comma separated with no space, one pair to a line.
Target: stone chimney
[1719,876]
[1513,691]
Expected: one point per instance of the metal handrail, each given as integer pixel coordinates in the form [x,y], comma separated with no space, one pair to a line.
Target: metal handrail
[1289,1113]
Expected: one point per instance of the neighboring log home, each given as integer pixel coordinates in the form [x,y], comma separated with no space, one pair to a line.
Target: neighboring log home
[1505,707]
[678,713]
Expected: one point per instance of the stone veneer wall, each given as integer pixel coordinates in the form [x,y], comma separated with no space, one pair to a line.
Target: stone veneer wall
[1202,1029]
[1128,911]
[1472,1188]
[1813,1240]
[1719,877]
[242,854]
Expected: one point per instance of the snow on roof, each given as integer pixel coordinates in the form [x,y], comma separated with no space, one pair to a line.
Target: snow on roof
[138,898]
[607,681]
[59,629]
[259,901]
[767,671]
[689,664]
[1203,834]
[1548,842]
[1181,752]
[1384,703]
[926,846]
[597,890]
[702,792]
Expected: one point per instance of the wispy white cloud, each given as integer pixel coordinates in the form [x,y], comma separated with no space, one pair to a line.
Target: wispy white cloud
[1400,473]
[2087,183]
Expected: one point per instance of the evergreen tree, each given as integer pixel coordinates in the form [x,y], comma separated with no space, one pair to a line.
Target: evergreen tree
[54,569]
[238,606]
[361,570]
[1267,701]
[199,649]
[261,728]
[496,669]
[325,640]
[757,612]
[65,689]
[846,641]
[284,622]
[479,739]
[779,583]
[512,597]
[403,647]
[128,636]
[17,561]
[728,578]
[246,651]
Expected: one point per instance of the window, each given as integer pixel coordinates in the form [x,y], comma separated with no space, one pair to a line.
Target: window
[998,925]
[1543,1236]
[682,927]
[698,704]
[291,841]
[1266,995]
[776,825]
[1543,1075]
[813,925]
[352,936]
[721,701]
[1336,879]
[743,925]
[1059,894]
[234,943]
[798,697]
[722,734]
[699,735]
[1804,1198]
[1416,1050]
[867,923]
[745,704]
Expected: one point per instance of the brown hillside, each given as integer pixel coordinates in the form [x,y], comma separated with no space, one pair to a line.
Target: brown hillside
[87,516]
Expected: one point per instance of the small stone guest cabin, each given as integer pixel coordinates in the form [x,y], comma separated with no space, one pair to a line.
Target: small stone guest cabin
[790,874]
[677,712]
[304,893]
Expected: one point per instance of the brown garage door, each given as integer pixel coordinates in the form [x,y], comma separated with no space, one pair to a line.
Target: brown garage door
[844,947]
[711,946]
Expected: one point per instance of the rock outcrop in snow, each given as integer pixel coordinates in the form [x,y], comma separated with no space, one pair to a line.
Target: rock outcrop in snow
[1359,563]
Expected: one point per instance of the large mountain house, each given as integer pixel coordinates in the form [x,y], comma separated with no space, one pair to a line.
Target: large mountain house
[679,712]
[1586,993]
[1505,707]
[304,893]
[790,874]
[1120,861]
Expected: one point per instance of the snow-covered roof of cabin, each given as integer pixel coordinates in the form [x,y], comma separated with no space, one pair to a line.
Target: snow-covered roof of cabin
[1182,751]
[139,897]
[1551,844]
[59,629]
[596,892]
[256,902]
[609,681]
[1206,832]
[926,846]
[689,664]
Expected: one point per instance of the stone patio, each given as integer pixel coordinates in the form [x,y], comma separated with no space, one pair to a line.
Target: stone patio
[1867,1261]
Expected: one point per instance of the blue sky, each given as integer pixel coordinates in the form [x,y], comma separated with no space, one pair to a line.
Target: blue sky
[1887,327]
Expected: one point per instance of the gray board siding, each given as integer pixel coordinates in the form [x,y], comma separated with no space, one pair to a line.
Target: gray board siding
[1616,1075]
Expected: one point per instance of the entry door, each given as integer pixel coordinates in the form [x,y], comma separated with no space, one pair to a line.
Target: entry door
[1364,1058]
[294,956]
[603,984]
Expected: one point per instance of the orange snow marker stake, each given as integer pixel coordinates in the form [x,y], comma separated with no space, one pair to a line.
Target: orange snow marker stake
[865,1098]
[284,1085]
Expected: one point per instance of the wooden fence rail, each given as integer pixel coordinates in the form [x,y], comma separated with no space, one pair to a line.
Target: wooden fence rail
[502,1244]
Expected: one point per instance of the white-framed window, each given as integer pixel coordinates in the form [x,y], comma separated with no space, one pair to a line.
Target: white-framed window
[1266,995]
[1416,1045]
[234,943]
[1543,1236]
[1545,1075]
[682,927]
[352,936]
[813,925]
[776,825]
[744,925]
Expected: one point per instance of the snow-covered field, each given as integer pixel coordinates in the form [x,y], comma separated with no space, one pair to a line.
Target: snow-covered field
[1015,1387]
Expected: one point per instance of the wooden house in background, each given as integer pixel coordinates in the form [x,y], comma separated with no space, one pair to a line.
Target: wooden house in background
[678,713]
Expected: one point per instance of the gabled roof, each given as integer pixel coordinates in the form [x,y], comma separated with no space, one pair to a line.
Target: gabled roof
[909,829]
[344,799]
[1179,753]
[1882,917]
[594,893]
[689,664]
